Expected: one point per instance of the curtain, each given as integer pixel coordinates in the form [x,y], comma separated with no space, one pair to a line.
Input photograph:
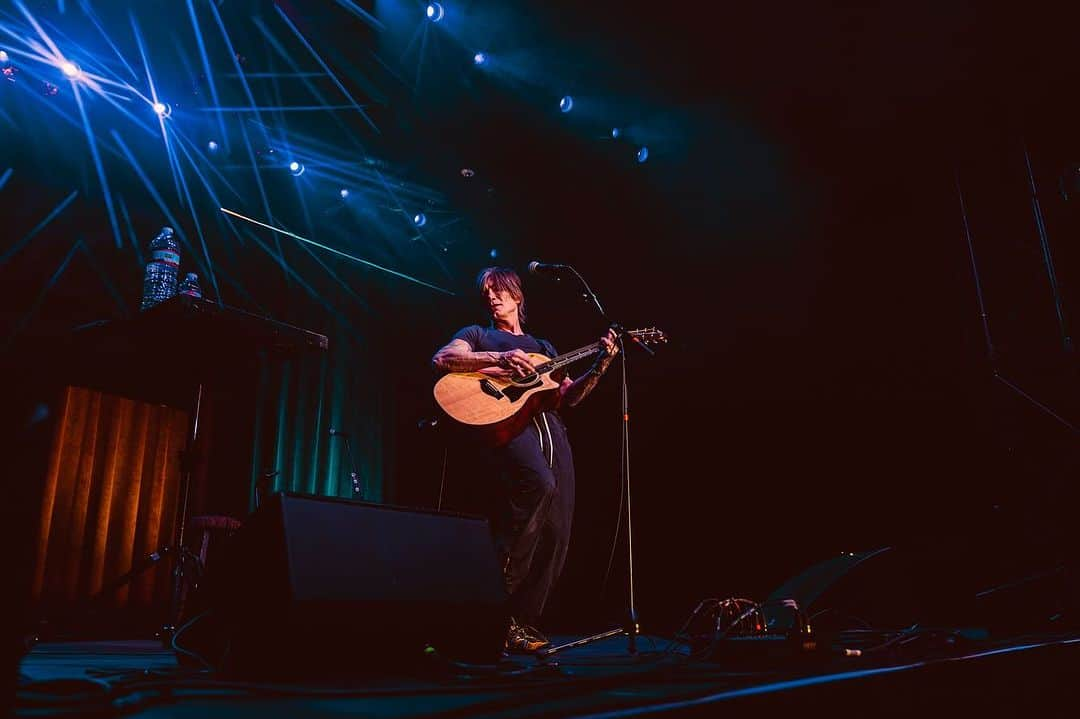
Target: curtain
[109,499]
[112,482]
[299,400]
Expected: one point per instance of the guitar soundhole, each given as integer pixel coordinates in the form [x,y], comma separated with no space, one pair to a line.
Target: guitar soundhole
[514,393]
[527,381]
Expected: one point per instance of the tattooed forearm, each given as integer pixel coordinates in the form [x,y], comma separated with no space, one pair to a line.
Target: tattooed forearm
[453,359]
[587,382]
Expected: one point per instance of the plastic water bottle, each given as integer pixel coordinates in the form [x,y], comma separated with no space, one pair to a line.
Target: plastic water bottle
[159,282]
[190,285]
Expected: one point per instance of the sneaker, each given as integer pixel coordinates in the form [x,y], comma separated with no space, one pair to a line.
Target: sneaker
[523,639]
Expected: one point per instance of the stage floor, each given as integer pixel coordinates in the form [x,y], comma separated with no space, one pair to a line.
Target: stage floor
[1031,675]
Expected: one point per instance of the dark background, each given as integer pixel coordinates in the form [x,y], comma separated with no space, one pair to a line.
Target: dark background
[797,231]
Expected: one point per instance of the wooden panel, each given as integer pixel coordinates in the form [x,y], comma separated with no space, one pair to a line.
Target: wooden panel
[109,498]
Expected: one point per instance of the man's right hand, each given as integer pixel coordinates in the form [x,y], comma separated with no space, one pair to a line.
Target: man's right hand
[517,361]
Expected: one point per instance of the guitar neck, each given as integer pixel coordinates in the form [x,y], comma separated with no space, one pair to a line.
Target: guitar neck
[569,358]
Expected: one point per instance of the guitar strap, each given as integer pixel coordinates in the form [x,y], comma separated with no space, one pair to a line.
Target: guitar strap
[551,444]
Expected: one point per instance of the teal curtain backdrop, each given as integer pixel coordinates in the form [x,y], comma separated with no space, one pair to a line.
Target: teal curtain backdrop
[299,399]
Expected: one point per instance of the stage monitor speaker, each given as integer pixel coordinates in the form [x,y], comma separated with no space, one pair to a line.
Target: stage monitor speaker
[319,586]
[886,588]
[813,582]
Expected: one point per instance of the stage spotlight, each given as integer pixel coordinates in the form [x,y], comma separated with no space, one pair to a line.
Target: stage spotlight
[70,69]
[419,219]
[162,110]
[494,253]
[467,172]
[435,12]
[615,132]
[212,146]
[566,104]
[296,168]
[344,193]
[479,58]
[643,154]
[3,56]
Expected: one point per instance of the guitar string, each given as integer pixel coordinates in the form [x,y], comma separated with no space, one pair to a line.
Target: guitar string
[575,355]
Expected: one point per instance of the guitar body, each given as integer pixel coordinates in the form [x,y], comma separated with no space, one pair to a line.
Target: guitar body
[496,409]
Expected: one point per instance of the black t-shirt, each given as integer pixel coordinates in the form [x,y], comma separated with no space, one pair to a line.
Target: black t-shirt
[489,339]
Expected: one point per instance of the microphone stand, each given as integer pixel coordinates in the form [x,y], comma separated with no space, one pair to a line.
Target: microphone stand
[353,474]
[432,423]
[631,629]
[262,486]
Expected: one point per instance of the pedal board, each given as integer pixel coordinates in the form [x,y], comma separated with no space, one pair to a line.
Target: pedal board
[767,650]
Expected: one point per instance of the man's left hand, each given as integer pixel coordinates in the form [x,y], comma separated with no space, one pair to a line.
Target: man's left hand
[611,347]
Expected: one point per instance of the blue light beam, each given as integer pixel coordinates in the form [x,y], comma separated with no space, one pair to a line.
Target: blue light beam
[105,280]
[295,276]
[361,13]
[131,230]
[346,255]
[279,108]
[25,319]
[327,69]
[89,12]
[14,249]
[207,71]
[159,109]
[90,139]
[156,196]
[199,232]
[236,63]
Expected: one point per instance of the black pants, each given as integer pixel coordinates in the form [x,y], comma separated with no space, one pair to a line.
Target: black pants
[532,512]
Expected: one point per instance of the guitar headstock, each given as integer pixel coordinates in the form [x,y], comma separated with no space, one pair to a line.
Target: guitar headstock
[650,336]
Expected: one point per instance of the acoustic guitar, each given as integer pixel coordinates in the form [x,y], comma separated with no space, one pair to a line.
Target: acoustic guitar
[496,409]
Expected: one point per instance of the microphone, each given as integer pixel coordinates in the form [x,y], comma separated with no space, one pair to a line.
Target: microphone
[338,433]
[541,268]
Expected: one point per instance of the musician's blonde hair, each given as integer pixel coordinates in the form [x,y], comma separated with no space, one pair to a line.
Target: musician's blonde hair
[503,279]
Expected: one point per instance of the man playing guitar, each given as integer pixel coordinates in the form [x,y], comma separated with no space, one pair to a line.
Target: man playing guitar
[533,473]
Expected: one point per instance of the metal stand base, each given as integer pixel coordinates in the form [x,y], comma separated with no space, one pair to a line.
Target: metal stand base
[186,563]
[631,632]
